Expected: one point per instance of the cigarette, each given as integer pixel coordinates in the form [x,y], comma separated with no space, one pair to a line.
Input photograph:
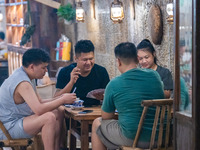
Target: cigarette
[74,90]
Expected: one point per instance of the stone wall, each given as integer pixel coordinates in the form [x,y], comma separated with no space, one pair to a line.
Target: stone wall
[106,35]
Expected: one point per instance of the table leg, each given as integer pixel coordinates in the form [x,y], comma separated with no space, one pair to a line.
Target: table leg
[84,135]
[72,141]
[64,132]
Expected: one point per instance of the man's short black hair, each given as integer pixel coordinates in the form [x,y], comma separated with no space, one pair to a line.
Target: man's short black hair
[126,52]
[2,35]
[35,56]
[84,46]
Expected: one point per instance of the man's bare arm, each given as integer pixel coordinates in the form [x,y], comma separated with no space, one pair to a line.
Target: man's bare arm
[25,90]
[47,99]
[167,93]
[67,89]
[107,116]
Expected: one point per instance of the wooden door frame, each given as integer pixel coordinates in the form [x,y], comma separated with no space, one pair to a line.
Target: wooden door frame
[196,73]
[195,119]
[177,70]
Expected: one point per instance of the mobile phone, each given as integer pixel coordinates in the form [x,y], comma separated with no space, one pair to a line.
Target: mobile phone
[85,111]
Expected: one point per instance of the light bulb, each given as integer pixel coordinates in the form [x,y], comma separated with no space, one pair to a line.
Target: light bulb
[1,17]
[170,9]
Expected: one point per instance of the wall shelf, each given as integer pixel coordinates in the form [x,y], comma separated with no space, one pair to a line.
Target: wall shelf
[15,4]
[44,36]
[15,16]
[15,25]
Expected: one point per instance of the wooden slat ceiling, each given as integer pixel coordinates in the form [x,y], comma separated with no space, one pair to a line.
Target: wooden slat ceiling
[49,3]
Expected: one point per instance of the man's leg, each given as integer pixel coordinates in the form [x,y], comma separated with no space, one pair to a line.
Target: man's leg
[96,142]
[47,124]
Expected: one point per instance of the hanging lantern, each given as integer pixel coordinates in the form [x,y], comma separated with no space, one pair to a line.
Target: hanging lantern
[1,16]
[80,13]
[169,10]
[117,11]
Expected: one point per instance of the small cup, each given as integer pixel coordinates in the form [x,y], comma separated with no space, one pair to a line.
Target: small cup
[78,103]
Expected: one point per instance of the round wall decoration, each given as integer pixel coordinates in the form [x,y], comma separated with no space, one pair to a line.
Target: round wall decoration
[155,24]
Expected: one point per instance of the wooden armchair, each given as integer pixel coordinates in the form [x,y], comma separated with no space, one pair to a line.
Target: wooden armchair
[163,106]
[15,144]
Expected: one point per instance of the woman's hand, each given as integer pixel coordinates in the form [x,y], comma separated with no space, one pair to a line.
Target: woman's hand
[69,98]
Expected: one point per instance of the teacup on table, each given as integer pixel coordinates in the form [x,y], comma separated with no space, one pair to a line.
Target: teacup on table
[78,104]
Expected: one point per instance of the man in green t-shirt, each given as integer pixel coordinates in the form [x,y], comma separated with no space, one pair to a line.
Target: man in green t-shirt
[124,94]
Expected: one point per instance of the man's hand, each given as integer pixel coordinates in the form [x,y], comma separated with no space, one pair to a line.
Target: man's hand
[69,98]
[75,75]
[73,78]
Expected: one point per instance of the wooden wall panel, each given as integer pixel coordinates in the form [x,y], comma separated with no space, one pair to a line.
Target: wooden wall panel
[45,19]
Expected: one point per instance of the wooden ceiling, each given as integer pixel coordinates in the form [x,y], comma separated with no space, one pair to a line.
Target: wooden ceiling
[50,3]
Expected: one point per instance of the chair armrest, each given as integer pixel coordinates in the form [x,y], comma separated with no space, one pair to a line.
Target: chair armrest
[46,85]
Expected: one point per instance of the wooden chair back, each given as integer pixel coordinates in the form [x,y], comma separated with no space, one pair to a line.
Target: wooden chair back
[15,144]
[163,107]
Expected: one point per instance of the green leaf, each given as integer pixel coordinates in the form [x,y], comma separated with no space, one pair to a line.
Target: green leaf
[66,12]
[27,35]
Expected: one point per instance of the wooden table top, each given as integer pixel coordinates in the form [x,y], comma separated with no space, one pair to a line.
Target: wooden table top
[88,116]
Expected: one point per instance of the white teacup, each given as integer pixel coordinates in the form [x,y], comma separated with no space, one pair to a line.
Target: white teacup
[78,103]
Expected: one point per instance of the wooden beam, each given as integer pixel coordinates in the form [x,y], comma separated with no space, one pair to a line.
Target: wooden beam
[50,3]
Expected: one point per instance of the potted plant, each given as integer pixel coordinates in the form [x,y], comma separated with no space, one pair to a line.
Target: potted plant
[27,35]
[66,12]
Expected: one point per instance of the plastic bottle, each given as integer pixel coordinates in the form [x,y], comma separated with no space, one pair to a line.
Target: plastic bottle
[61,49]
[57,50]
[66,50]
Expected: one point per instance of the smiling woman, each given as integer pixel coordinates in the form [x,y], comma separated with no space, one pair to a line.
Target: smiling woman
[147,59]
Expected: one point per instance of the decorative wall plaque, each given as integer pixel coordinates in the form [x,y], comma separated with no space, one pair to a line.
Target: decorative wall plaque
[155,24]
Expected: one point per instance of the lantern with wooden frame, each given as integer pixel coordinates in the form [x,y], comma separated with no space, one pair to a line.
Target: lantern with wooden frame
[117,11]
[80,13]
[1,16]
[169,10]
